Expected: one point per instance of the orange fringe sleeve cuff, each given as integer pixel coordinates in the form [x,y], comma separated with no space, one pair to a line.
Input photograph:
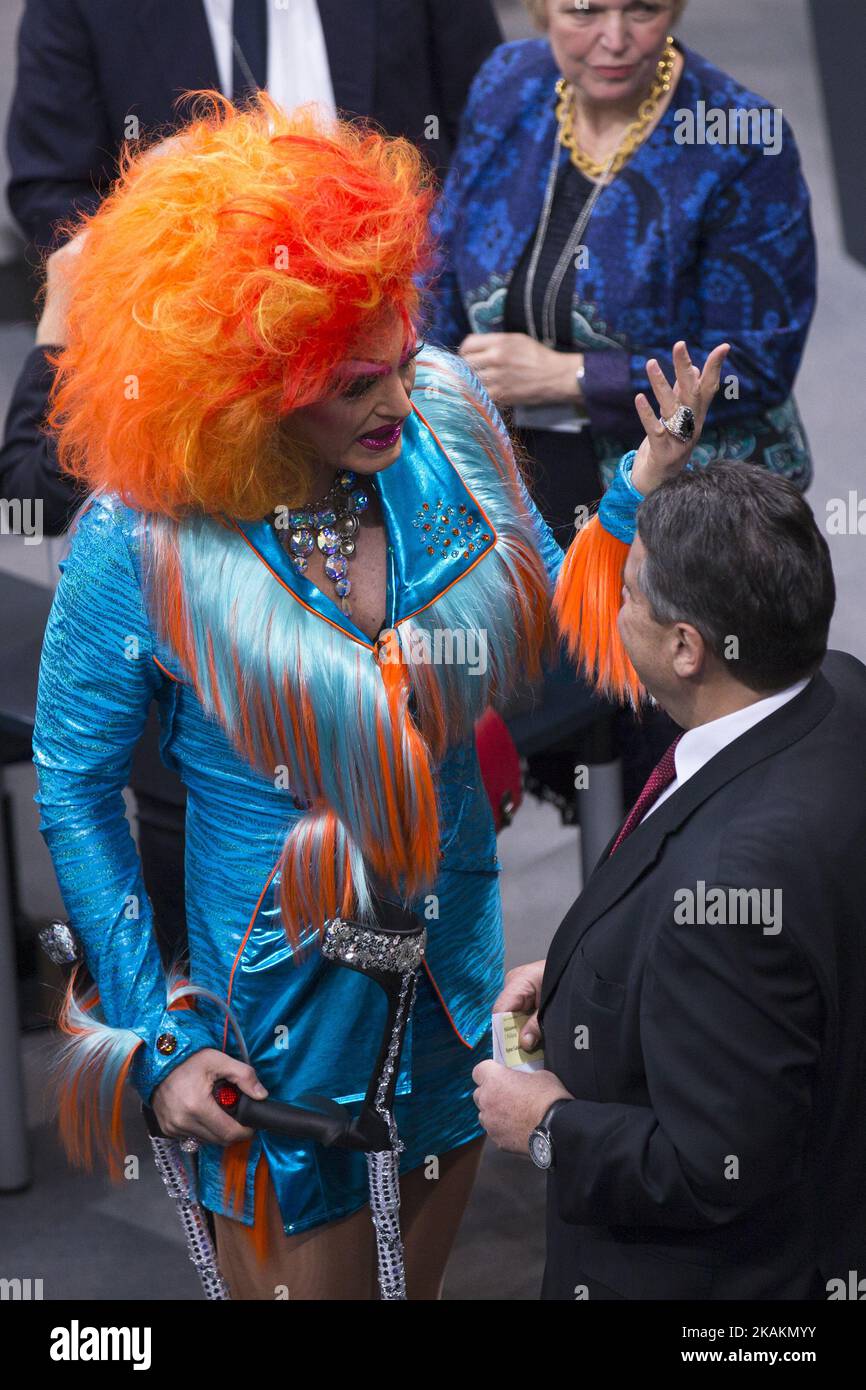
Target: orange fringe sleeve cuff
[586,604]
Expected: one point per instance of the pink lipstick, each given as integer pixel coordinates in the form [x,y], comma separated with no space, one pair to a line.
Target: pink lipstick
[612,74]
[384,438]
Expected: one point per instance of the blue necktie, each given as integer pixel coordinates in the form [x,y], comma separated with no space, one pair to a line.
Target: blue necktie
[249,47]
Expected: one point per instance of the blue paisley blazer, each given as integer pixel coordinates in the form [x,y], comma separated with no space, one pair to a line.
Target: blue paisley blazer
[703,241]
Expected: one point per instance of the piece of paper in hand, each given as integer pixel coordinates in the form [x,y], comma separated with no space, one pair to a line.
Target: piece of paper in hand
[506,1044]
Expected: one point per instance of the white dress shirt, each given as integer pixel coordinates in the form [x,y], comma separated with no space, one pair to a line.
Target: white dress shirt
[298,68]
[697,746]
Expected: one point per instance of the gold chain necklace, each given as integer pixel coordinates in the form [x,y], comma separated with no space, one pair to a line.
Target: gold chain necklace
[634,133]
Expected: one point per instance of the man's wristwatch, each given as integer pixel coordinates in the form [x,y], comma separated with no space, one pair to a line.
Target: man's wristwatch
[540,1141]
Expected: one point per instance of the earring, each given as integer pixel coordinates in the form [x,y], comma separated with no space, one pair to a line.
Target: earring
[664,70]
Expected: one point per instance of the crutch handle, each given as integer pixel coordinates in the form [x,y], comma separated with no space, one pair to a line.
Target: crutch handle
[295,1121]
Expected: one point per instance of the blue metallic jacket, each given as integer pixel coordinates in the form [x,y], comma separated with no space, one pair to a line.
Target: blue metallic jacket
[308,1027]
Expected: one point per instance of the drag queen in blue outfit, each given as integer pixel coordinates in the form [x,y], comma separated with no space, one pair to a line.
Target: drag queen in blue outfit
[286,620]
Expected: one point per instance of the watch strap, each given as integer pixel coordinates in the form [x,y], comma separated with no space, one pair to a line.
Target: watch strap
[542,1133]
[551,1111]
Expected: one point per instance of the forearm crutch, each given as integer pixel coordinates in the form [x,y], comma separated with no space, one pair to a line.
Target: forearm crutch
[389,953]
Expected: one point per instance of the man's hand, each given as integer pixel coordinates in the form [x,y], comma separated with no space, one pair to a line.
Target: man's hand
[662,455]
[511,1103]
[59,279]
[61,264]
[520,994]
[184,1105]
[516,370]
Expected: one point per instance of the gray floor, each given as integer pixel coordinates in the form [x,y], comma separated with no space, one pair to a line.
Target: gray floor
[88,1240]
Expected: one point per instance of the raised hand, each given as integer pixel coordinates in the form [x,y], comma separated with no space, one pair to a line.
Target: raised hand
[662,455]
[59,280]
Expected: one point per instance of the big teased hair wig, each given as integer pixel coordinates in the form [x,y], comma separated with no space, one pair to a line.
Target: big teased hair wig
[218,286]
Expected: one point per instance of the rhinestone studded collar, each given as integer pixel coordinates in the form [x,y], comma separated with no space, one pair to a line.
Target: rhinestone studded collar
[422,489]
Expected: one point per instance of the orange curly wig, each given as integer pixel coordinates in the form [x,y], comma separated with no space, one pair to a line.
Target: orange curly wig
[218,287]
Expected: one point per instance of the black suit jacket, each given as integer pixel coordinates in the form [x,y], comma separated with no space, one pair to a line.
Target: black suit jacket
[716,1146]
[28,456]
[86,66]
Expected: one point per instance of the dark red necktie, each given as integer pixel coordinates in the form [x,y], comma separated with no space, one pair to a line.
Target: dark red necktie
[660,778]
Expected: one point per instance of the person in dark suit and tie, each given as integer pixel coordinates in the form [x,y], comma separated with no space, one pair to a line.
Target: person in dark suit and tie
[703,1004]
[92,74]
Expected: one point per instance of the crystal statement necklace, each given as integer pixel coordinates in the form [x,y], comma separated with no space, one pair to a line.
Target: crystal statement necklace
[332,525]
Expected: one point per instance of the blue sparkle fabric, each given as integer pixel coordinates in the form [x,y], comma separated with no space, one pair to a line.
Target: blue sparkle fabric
[617,509]
[705,241]
[310,1027]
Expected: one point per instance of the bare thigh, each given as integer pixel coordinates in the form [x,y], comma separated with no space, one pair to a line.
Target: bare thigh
[331,1262]
[337,1261]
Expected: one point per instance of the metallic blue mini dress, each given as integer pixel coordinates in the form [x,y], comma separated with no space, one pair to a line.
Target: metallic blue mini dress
[309,1027]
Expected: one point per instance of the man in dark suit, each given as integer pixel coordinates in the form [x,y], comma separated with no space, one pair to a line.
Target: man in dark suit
[703,1004]
[92,73]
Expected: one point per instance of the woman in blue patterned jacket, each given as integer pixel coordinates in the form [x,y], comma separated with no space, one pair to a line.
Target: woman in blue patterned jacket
[612,192]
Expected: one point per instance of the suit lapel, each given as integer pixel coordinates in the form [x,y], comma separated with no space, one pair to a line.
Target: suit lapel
[350,38]
[615,876]
[179,41]
[178,38]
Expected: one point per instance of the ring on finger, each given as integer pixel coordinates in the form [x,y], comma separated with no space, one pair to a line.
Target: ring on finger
[681,424]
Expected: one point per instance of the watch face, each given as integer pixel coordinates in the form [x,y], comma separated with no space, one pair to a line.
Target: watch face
[540,1150]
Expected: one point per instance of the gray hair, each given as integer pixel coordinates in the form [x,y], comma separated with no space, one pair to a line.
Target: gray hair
[734,550]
